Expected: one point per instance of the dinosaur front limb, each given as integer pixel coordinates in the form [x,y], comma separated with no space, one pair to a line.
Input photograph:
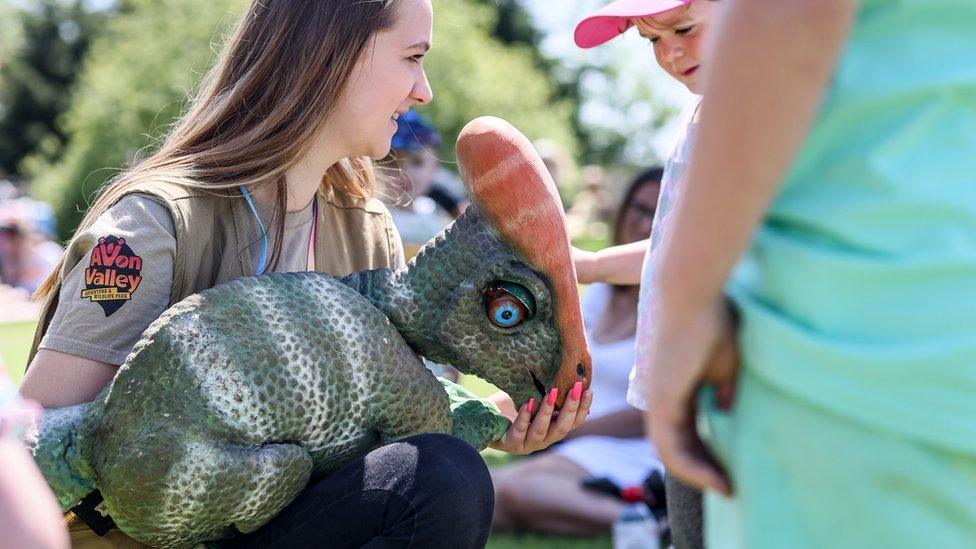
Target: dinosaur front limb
[54,447]
[477,421]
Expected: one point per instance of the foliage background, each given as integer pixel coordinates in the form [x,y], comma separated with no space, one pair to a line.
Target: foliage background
[147,58]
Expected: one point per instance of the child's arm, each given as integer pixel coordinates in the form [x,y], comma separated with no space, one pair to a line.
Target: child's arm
[767,70]
[614,265]
[29,514]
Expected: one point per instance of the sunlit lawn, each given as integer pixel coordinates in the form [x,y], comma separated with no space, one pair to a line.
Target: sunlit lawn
[15,340]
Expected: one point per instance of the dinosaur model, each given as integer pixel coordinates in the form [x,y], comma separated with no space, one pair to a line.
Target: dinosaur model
[237,396]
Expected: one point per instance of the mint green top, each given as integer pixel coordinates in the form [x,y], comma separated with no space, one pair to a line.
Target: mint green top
[858,293]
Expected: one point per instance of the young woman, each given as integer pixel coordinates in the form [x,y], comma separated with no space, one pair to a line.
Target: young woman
[544,493]
[270,171]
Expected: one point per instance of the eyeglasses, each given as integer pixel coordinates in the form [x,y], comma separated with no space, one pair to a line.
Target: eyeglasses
[643,210]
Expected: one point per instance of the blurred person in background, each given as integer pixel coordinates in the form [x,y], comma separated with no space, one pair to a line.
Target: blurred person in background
[416,168]
[545,493]
[26,253]
[417,216]
[592,207]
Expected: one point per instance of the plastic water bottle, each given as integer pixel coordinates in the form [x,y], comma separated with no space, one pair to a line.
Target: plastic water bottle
[636,529]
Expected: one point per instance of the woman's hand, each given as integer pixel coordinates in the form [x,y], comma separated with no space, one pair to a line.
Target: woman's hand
[688,352]
[528,434]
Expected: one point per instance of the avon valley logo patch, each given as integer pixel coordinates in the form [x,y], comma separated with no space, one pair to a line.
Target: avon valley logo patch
[112,275]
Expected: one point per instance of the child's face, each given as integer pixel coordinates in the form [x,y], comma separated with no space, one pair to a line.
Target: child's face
[417,172]
[679,38]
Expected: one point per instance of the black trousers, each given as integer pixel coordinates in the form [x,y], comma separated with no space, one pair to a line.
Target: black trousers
[423,491]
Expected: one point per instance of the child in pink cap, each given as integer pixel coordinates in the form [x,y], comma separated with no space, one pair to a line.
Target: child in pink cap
[675,27]
[677,30]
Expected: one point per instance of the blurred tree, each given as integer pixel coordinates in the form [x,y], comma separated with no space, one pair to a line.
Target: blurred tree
[147,60]
[133,85]
[473,73]
[513,24]
[38,72]
[11,32]
[11,38]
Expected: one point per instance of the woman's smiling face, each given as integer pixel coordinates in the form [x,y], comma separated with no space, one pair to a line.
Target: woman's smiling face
[387,81]
[678,37]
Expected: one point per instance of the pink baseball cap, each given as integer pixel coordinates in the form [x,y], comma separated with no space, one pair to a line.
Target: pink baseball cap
[615,18]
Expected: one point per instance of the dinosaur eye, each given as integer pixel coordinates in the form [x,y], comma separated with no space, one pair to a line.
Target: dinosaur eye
[506,312]
[508,304]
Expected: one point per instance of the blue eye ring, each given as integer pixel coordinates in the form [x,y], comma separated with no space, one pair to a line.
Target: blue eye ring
[505,311]
[508,305]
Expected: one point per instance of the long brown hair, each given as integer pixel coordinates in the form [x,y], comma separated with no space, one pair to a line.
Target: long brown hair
[650,176]
[276,80]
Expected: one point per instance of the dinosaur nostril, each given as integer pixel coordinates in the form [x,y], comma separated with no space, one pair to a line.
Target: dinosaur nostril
[581,371]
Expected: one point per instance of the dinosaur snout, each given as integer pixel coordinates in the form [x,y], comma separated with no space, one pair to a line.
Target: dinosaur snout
[574,368]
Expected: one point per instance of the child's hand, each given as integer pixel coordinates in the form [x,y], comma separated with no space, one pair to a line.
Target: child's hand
[698,349]
[527,435]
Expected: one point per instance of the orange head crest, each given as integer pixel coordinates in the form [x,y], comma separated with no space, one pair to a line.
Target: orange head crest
[513,190]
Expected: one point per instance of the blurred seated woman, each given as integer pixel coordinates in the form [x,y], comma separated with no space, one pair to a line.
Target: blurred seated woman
[544,492]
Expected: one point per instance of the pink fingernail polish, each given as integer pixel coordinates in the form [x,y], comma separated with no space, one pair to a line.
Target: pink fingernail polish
[531,405]
[551,398]
[577,391]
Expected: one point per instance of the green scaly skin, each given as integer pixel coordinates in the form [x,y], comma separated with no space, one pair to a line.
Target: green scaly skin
[235,397]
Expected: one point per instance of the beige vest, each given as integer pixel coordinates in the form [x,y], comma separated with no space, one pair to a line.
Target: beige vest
[211,239]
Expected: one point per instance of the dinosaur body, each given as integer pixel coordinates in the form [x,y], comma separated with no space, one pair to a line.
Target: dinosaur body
[236,397]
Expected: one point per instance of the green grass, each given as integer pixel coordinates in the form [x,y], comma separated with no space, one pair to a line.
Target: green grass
[15,341]
[536,541]
[495,458]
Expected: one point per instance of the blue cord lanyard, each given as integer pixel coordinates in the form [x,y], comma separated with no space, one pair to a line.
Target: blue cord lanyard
[263,259]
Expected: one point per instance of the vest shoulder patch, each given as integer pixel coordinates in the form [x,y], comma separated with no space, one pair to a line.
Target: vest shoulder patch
[113,274]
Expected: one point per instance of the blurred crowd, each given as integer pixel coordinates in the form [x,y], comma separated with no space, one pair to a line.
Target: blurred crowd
[424,195]
[28,250]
